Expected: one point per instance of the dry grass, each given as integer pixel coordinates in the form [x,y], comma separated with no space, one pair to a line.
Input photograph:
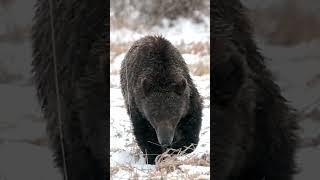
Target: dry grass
[118,23]
[171,157]
[171,160]
[168,162]
[201,49]
[199,69]
[133,13]
[118,48]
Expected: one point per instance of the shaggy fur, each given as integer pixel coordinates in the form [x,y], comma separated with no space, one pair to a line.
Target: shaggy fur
[81,61]
[254,129]
[159,92]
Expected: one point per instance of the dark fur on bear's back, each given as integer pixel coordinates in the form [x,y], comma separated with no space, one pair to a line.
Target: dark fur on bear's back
[155,60]
[254,128]
[80,35]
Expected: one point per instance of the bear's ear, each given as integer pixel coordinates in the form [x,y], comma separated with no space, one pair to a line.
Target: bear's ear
[180,86]
[146,86]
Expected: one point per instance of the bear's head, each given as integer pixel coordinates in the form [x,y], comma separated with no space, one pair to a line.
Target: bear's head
[164,103]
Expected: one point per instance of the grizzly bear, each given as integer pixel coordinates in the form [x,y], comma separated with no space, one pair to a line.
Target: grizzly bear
[76,107]
[254,128]
[162,101]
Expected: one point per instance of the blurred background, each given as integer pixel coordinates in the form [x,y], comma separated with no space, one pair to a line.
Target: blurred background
[288,34]
[24,152]
[185,23]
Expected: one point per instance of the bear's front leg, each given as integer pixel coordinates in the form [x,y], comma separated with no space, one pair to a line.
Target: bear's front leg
[146,138]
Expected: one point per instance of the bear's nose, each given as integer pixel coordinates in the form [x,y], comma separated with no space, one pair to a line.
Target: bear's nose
[165,136]
[165,144]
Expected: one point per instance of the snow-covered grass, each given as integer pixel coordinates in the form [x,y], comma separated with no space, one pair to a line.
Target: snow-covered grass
[127,161]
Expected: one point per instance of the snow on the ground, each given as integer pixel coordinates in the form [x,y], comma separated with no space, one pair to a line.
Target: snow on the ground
[182,31]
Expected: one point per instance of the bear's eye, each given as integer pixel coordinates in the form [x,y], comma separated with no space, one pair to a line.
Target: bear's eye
[146,86]
[180,86]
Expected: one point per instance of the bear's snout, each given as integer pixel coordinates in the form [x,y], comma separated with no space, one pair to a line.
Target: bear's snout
[165,135]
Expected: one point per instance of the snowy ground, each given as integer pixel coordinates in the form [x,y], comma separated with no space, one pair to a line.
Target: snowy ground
[126,159]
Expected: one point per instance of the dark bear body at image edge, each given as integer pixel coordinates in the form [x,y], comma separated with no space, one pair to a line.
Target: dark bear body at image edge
[255,130]
[162,101]
[81,55]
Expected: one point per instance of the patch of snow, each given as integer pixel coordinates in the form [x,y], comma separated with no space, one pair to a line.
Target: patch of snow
[195,59]
[183,31]
[195,169]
